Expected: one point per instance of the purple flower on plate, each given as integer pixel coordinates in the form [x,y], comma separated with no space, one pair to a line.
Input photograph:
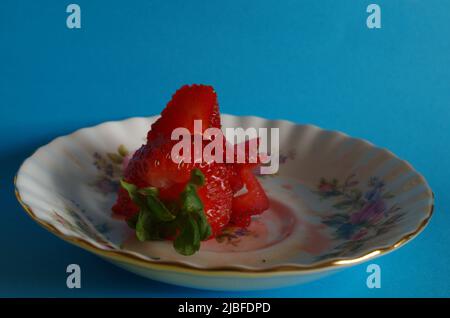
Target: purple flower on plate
[374,207]
[371,212]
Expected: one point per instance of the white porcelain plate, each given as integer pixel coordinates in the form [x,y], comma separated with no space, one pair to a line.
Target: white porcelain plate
[336,201]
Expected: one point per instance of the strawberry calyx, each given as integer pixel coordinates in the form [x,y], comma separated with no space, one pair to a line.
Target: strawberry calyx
[184,219]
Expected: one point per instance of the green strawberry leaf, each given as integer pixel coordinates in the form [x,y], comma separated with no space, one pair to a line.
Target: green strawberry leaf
[148,191]
[147,228]
[190,202]
[144,226]
[158,209]
[193,205]
[188,241]
[133,193]
[204,227]
[131,188]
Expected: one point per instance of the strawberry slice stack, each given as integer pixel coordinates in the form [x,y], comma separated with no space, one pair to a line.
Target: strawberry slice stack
[186,202]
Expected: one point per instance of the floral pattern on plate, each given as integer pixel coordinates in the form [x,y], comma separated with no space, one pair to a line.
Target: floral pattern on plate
[360,214]
[110,167]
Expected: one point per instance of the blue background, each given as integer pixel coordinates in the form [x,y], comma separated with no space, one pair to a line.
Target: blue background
[307,61]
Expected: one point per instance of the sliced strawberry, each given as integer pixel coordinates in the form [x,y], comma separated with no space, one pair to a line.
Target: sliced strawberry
[235,168]
[189,103]
[216,196]
[254,201]
[235,178]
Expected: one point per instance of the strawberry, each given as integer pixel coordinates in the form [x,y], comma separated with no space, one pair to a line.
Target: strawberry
[216,196]
[186,202]
[189,103]
[235,168]
[235,178]
[252,202]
